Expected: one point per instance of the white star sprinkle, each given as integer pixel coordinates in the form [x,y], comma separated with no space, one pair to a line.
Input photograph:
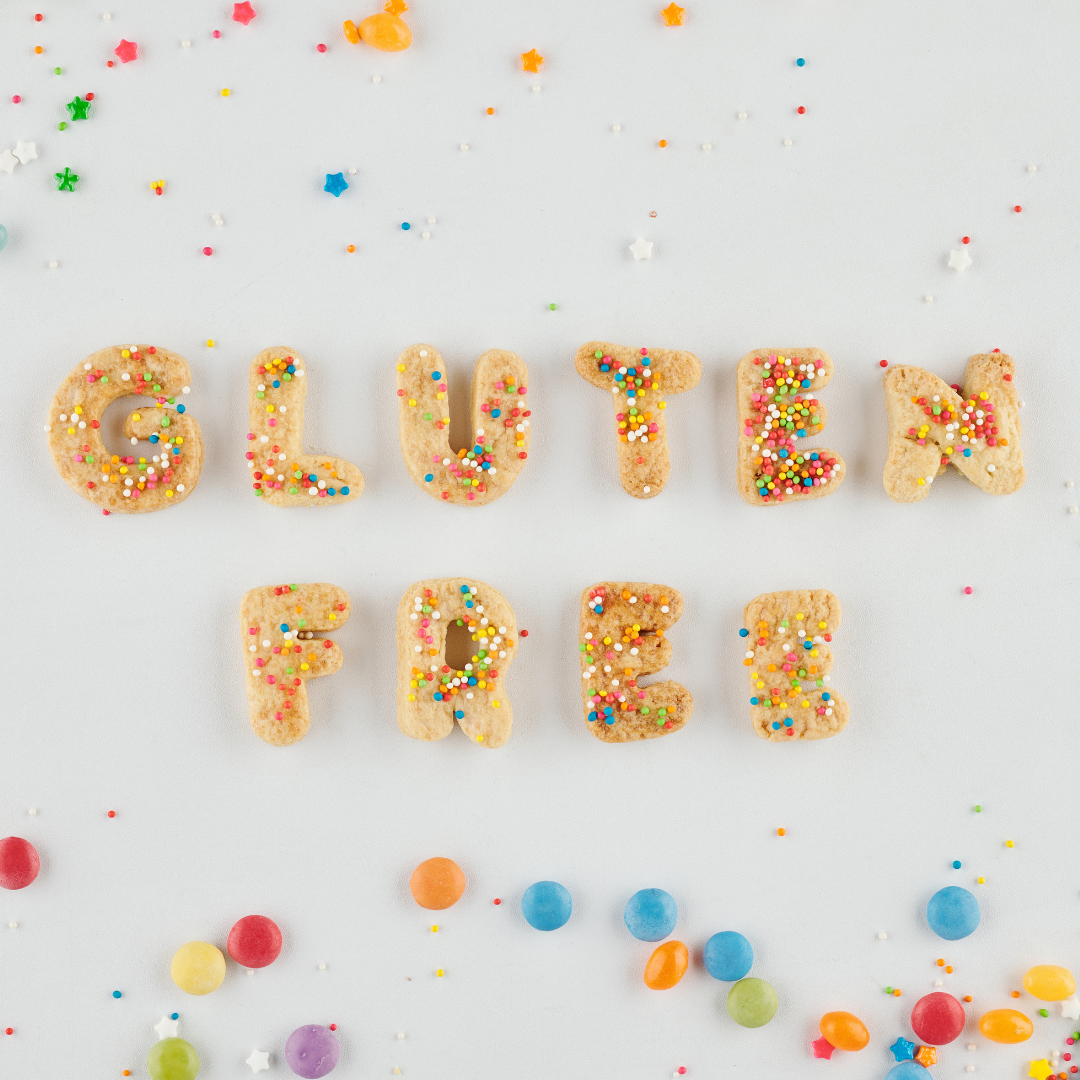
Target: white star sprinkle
[1070,1007]
[959,260]
[259,1061]
[641,248]
[8,161]
[25,151]
[166,1028]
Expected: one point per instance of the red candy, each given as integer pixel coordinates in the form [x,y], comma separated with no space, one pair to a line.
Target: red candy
[938,1019]
[19,863]
[254,941]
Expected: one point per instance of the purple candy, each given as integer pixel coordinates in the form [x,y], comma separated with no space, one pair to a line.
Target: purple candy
[312,1051]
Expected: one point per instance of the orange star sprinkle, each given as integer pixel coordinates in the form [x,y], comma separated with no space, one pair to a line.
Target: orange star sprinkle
[395,7]
[531,61]
[673,14]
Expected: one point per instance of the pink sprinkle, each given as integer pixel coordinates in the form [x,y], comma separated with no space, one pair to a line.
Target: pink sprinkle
[277,716]
[16,99]
[968,590]
[217,34]
[320,48]
[106,512]
[251,435]
[208,251]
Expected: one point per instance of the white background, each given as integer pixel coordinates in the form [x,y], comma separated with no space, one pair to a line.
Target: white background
[123,684]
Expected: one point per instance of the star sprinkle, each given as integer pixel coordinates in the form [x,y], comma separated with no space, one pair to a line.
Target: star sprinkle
[8,161]
[926,1056]
[78,108]
[127,51]
[673,14]
[243,13]
[166,1028]
[66,180]
[641,248]
[25,151]
[959,260]
[395,7]
[822,1047]
[531,61]
[259,1061]
[1040,1069]
[1070,1007]
[902,1050]
[335,183]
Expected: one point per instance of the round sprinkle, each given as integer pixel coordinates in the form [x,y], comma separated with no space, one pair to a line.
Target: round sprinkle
[552,307]
[208,251]
[800,62]
[883,363]
[496,901]
[376,78]
[116,994]
[1017,209]
[405,226]
[216,34]
[616,127]
[523,633]
[112,813]
[1009,843]
[351,248]
[209,342]
[320,47]
[978,808]
[801,109]
[956,864]
[781,832]
[464,146]
[662,143]
[491,112]
[882,936]
[965,239]
[742,116]
[968,590]
[225,91]
[16,99]
[787,142]
[439,972]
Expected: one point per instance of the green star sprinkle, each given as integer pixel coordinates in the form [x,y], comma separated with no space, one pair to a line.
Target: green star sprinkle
[78,108]
[66,180]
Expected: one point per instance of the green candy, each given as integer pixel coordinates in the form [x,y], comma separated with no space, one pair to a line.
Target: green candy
[752,1003]
[172,1059]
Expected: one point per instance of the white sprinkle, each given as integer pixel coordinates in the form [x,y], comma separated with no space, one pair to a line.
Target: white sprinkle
[251,971]
[1072,510]
[616,127]
[423,352]
[106,15]
[186,43]
[464,146]
[376,78]
[179,487]
[787,142]
[32,811]
[646,489]
[352,170]
[536,89]
[939,983]
[322,967]
[972,1046]
[706,146]
[1031,168]
[53,265]
[426,235]
[882,936]
[742,116]
[13,925]
[401,1034]
[431,221]
[1069,483]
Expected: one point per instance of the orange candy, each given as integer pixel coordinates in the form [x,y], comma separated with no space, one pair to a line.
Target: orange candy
[844,1030]
[1005,1026]
[384,31]
[437,884]
[667,965]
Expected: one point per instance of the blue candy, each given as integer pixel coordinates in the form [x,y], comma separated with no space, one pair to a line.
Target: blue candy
[546,905]
[651,914]
[907,1070]
[953,913]
[728,955]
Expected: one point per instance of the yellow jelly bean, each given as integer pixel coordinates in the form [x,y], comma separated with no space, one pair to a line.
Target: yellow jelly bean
[667,965]
[1005,1026]
[386,32]
[1048,982]
[844,1030]
[198,967]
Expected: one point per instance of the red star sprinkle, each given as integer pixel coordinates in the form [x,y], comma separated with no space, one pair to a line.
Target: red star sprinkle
[243,13]
[127,51]
[822,1048]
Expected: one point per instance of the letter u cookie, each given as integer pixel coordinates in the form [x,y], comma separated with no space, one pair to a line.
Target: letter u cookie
[622,630]
[116,482]
[432,696]
[789,657]
[499,415]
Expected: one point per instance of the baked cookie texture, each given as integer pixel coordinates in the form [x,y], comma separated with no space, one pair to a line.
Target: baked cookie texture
[431,695]
[499,416]
[282,474]
[281,628]
[931,426]
[777,406]
[789,656]
[120,483]
[621,637]
[640,381]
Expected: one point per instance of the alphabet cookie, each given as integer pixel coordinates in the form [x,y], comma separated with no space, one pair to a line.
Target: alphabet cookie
[432,695]
[621,638]
[776,407]
[116,482]
[283,474]
[931,426]
[499,440]
[790,657]
[281,628]
[639,381]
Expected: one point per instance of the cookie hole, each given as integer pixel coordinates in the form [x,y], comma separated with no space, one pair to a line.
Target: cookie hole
[460,647]
[112,426]
[461,433]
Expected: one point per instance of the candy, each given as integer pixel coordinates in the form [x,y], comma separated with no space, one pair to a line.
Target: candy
[937,1018]
[254,941]
[667,965]
[651,914]
[728,956]
[752,1003]
[312,1051]
[19,863]
[953,913]
[172,1059]
[198,967]
[844,1030]
[1048,982]
[384,31]
[1005,1026]
[907,1070]
[437,884]
[546,905]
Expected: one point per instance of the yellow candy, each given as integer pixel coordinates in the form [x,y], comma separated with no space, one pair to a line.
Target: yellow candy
[1005,1026]
[198,967]
[385,31]
[1048,982]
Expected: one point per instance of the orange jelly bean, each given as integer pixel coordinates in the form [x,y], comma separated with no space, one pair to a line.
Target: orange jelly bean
[386,32]
[667,965]
[844,1030]
[1005,1026]
[437,884]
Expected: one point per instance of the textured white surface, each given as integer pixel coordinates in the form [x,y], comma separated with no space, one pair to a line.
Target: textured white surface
[123,686]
